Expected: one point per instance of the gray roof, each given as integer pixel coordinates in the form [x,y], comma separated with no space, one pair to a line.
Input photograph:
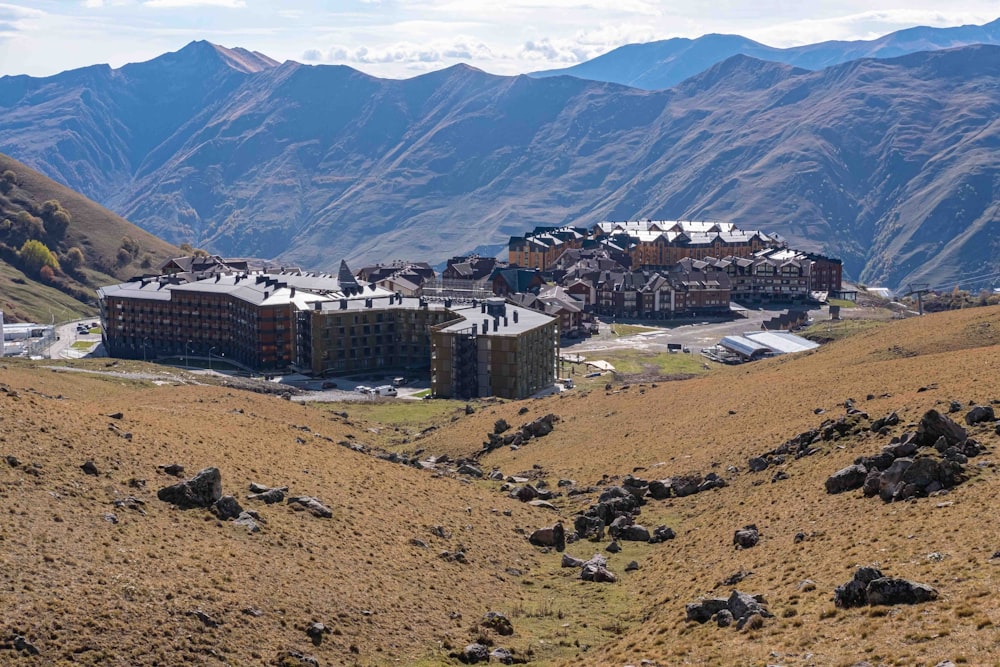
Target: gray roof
[527,319]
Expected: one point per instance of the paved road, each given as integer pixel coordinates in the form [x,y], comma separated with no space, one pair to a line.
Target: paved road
[66,335]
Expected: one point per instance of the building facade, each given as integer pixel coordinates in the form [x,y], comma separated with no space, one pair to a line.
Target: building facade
[494,349]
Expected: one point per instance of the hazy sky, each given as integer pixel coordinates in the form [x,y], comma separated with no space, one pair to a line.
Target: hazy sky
[403,38]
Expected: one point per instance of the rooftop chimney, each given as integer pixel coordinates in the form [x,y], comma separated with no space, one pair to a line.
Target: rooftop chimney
[515,317]
[343,304]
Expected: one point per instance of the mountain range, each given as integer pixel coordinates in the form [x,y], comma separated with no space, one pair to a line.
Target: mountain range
[665,63]
[890,164]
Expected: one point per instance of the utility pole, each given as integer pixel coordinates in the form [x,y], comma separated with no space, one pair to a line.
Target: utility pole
[919,289]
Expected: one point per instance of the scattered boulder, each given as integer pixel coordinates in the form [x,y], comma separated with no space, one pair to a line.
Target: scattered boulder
[662,534]
[635,533]
[502,655]
[500,426]
[266,495]
[892,591]
[474,653]
[23,645]
[746,537]
[869,586]
[296,659]
[470,470]
[613,547]
[202,490]
[497,622]
[632,566]
[175,469]
[747,610]
[206,620]
[249,521]
[596,570]
[934,425]
[90,468]
[569,561]
[550,537]
[757,463]
[980,413]
[315,507]
[226,507]
[847,479]
[315,632]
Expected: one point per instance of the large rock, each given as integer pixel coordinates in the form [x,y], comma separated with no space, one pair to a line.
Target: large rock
[924,470]
[659,489]
[499,623]
[980,413]
[855,592]
[474,653]
[686,485]
[550,537]
[634,533]
[704,610]
[847,479]
[934,425]
[746,537]
[890,480]
[890,591]
[202,490]
[226,507]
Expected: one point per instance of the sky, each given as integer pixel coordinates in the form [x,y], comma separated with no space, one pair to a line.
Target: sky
[404,38]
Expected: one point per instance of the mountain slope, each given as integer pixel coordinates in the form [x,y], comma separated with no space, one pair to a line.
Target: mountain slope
[97,232]
[664,64]
[886,163]
[89,581]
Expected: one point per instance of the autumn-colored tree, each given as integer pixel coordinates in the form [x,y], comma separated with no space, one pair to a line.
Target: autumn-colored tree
[47,274]
[34,255]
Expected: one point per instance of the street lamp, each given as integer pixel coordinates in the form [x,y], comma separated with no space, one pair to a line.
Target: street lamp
[187,354]
[145,344]
[210,350]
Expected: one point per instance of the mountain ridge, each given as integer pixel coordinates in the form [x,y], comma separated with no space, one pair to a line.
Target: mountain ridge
[665,63]
[308,164]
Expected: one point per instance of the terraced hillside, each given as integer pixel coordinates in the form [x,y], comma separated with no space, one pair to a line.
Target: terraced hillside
[157,585]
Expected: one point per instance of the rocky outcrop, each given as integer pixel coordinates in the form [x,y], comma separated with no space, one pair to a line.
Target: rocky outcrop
[202,490]
[746,610]
[912,465]
[537,428]
[870,587]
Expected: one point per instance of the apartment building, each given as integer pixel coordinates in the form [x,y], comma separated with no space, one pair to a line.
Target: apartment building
[494,348]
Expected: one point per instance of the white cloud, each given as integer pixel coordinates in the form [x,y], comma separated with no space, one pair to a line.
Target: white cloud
[171,4]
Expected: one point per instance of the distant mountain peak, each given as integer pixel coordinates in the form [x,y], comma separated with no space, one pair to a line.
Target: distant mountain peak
[239,59]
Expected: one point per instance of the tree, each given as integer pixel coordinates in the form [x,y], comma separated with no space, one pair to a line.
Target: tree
[7,181]
[34,255]
[47,274]
[123,257]
[56,219]
[74,258]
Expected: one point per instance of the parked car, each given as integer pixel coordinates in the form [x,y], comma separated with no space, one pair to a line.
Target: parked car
[398,382]
[362,389]
[329,384]
[385,390]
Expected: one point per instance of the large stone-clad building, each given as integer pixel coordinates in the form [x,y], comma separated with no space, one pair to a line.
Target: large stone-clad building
[271,320]
[494,349]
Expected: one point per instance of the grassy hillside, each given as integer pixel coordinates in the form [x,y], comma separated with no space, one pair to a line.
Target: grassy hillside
[27,202]
[86,590]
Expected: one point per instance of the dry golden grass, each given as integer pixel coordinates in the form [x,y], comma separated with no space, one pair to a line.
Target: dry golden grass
[86,591]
